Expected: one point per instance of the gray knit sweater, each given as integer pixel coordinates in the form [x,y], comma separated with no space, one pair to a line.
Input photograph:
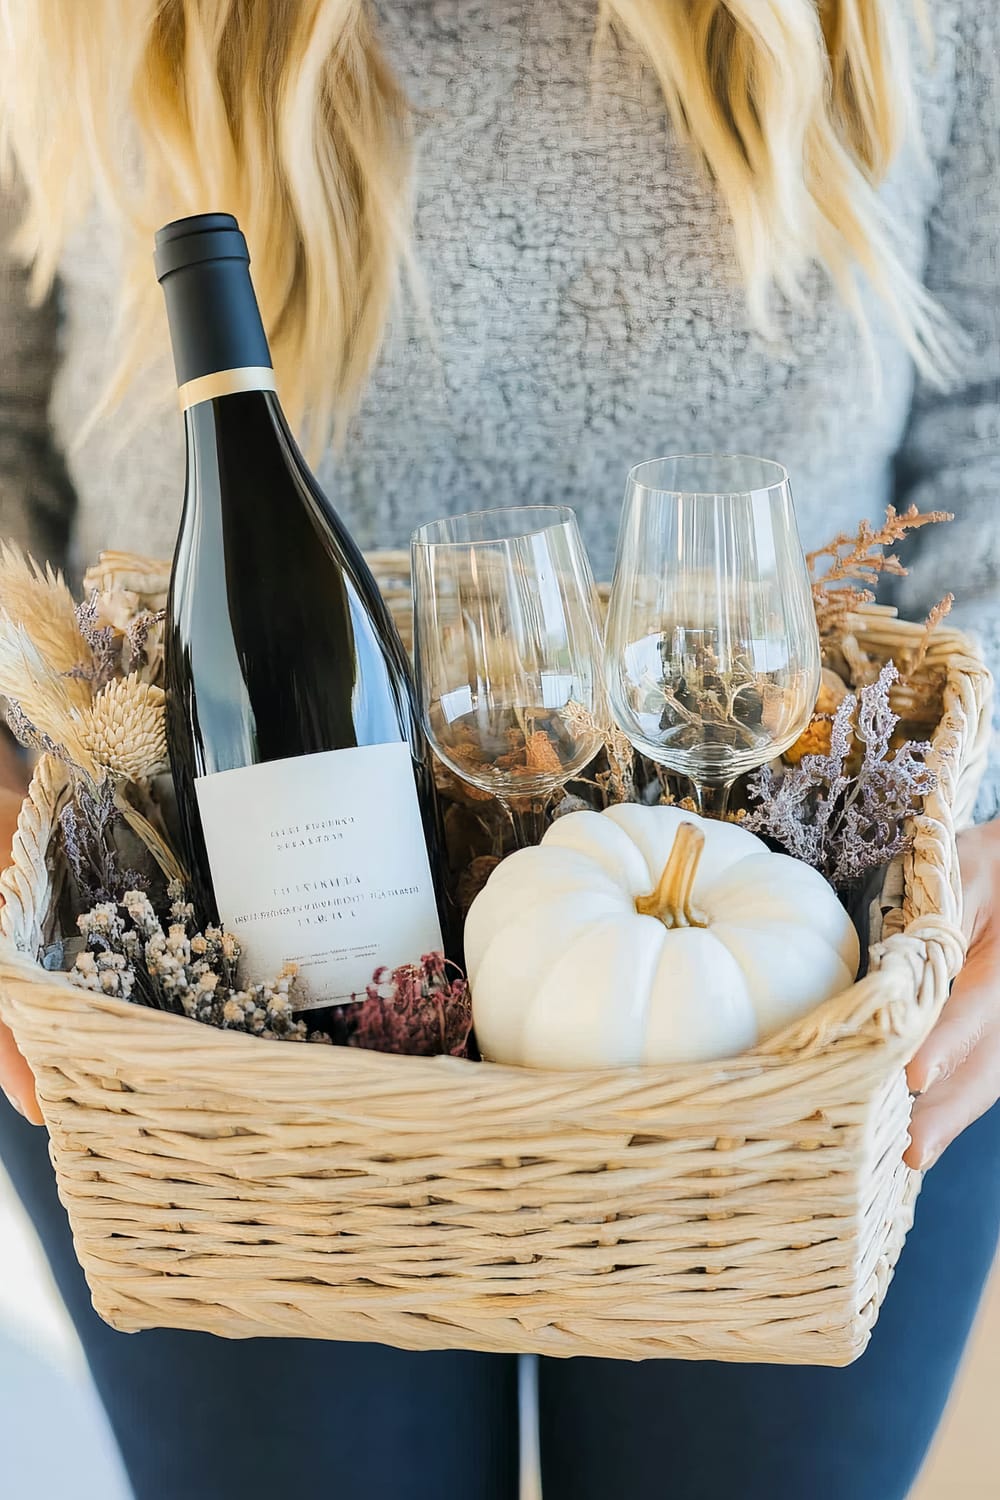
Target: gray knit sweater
[586,314]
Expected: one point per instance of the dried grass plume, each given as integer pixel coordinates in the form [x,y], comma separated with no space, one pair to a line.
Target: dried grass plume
[36,601]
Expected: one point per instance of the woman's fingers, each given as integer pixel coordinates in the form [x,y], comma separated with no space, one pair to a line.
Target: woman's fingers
[955,1103]
[15,1076]
[16,1079]
[956,1073]
[972,1008]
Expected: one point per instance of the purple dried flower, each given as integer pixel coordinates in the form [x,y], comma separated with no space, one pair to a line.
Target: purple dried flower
[88,823]
[26,734]
[136,637]
[102,643]
[842,823]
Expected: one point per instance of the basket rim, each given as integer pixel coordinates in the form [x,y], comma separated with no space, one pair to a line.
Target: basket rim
[107,1012]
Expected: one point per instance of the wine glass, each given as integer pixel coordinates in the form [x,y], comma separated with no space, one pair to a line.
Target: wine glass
[508,654]
[712,650]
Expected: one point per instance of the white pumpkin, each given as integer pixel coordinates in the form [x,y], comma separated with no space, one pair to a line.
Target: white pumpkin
[649,935]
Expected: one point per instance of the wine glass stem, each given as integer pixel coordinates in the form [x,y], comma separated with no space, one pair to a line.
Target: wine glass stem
[712,797]
[527,816]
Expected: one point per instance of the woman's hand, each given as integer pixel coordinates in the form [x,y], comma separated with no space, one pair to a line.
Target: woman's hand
[17,1079]
[15,1076]
[956,1073]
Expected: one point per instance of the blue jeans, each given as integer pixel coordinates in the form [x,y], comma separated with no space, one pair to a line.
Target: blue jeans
[198,1418]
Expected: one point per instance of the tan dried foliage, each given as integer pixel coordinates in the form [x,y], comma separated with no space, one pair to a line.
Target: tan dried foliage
[855,563]
[37,602]
[49,700]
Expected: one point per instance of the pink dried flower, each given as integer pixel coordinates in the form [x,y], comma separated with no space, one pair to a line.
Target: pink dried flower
[419,1009]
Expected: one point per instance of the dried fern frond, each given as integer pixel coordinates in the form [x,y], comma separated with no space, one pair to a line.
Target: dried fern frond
[861,556]
[855,563]
[37,601]
[940,612]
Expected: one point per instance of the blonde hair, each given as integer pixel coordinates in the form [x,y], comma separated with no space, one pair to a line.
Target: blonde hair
[287,114]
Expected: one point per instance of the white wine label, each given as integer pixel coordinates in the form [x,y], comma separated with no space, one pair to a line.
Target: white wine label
[320,861]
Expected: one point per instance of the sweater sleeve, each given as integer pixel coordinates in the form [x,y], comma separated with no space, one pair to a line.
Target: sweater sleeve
[36,499]
[950,459]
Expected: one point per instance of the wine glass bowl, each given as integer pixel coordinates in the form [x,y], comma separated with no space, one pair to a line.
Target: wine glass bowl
[507,652]
[712,656]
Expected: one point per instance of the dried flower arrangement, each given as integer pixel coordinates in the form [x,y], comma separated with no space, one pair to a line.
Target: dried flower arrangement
[844,575]
[81,684]
[131,954]
[78,680]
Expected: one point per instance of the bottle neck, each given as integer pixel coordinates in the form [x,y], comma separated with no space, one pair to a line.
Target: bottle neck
[218,338]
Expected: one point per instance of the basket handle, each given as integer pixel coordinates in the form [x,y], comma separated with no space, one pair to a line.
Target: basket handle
[26,884]
[923,945]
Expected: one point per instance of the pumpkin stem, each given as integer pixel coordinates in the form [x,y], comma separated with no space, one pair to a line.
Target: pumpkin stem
[671,901]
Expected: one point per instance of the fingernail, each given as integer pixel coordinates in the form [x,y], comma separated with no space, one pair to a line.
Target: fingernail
[931,1079]
[16,1104]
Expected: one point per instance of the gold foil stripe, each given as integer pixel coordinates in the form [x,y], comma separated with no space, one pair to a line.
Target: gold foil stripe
[225,383]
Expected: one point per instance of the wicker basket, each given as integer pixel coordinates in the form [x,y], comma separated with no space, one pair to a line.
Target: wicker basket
[746,1211]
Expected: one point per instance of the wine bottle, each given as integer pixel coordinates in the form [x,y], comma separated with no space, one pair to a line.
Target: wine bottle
[305,797]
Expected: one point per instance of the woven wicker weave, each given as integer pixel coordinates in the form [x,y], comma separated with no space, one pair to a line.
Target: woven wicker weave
[746,1211]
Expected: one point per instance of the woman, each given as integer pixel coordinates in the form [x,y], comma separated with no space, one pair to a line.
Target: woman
[739,224]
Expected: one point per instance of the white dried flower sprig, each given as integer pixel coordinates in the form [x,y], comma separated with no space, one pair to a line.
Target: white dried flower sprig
[107,973]
[132,955]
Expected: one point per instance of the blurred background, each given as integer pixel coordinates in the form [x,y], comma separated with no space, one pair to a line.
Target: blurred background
[45,1389]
